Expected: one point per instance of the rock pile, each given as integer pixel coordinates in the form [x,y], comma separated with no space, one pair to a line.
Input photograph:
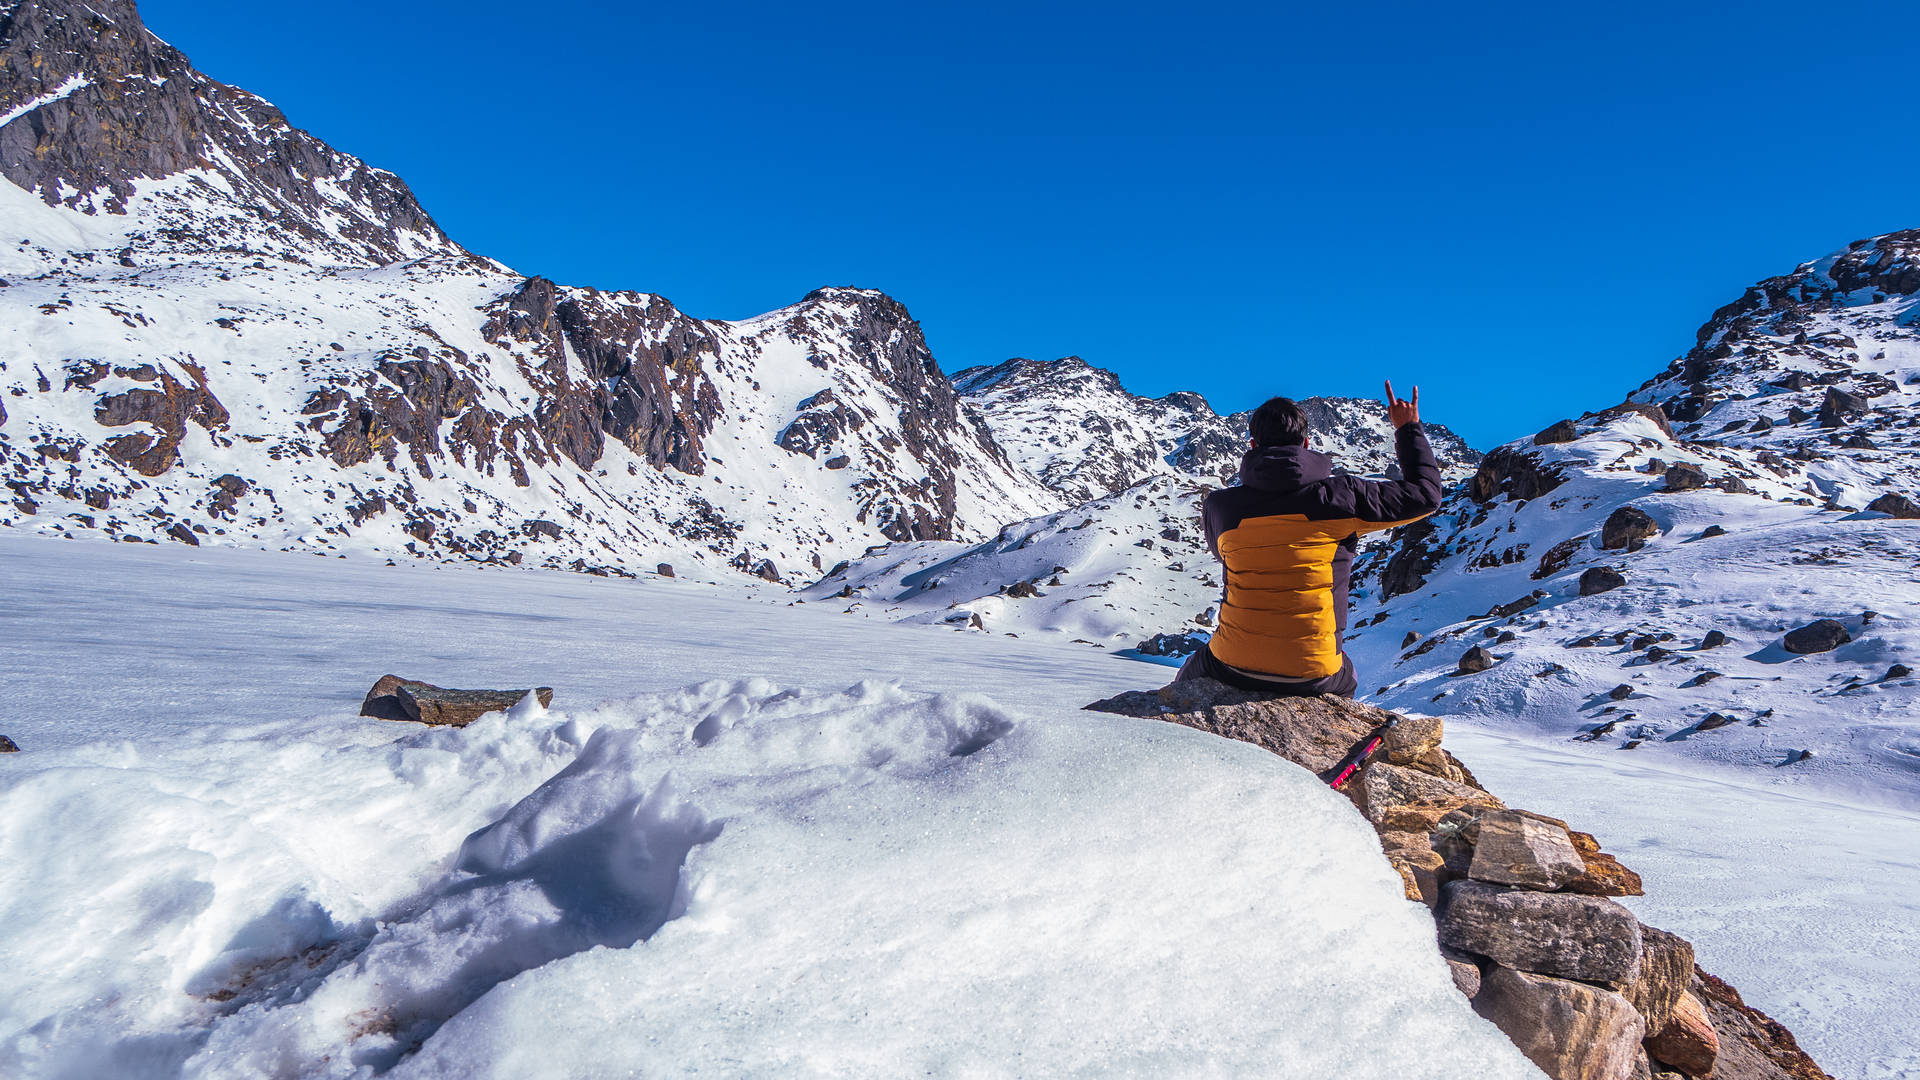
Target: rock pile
[1520,900]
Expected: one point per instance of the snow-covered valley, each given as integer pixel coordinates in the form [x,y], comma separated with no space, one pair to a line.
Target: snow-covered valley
[273,883]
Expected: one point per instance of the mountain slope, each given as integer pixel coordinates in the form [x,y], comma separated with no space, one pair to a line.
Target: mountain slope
[1759,484]
[1074,426]
[219,330]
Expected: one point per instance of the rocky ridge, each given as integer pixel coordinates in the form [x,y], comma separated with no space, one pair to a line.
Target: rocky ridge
[1720,567]
[1520,900]
[227,332]
[1075,427]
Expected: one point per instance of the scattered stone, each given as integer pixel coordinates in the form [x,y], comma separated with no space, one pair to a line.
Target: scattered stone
[395,698]
[1712,531]
[1896,504]
[1599,579]
[1816,637]
[1899,671]
[664,569]
[1713,640]
[1412,636]
[1022,589]
[1515,607]
[1562,432]
[1655,654]
[1666,967]
[1515,849]
[1627,527]
[1620,693]
[1685,477]
[1589,938]
[1701,679]
[1570,1030]
[1687,1040]
[766,571]
[1549,671]
[1712,721]
[1475,659]
[8,746]
[1631,744]
[1171,645]
[1587,642]
[179,531]
[1505,637]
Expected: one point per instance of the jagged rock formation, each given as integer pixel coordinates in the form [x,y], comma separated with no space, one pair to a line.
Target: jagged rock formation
[1075,427]
[1520,899]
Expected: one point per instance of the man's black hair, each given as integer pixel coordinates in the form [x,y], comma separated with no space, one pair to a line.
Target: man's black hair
[1279,422]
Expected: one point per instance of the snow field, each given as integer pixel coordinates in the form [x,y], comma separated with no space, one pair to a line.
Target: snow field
[733,877]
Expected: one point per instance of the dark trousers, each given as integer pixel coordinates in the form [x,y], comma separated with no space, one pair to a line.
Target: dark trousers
[1202,665]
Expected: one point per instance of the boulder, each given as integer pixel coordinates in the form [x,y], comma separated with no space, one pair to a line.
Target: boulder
[1687,1040]
[1567,935]
[1816,637]
[1896,504]
[1562,432]
[1620,693]
[8,746]
[1570,1030]
[1518,849]
[1605,875]
[1713,640]
[1898,671]
[1666,967]
[1412,636]
[1838,405]
[1711,531]
[1419,867]
[1685,477]
[1599,579]
[1475,659]
[1627,527]
[395,698]
[664,569]
[1312,732]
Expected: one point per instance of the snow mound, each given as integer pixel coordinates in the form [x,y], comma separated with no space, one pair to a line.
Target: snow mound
[733,878]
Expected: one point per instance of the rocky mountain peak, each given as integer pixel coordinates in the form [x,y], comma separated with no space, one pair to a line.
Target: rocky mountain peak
[100,115]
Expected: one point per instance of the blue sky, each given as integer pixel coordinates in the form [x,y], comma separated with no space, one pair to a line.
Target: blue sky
[1527,210]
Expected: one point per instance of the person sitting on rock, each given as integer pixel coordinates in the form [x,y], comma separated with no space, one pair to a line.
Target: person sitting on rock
[1287,535]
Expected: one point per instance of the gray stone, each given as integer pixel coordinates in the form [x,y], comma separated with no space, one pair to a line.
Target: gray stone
[1572,1031]
[1384,788]
[1626,527]
[1816,637]
[1465,976]
[1685,477]
[1572,936]
[1515,849]
[1599,579]
[1896,504]
[1475,659]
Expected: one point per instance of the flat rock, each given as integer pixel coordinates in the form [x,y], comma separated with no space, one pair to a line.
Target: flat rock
[395,698]
[1386,788]
[1567,935]
[1572,1031]
[1313,732]
[1515,849]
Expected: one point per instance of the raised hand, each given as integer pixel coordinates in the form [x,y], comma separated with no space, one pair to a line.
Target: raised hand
[1402,413]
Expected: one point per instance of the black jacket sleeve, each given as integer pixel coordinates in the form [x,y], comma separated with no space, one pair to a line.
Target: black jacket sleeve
[1383,504]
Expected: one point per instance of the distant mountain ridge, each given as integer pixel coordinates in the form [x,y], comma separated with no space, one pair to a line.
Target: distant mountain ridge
[1075,427]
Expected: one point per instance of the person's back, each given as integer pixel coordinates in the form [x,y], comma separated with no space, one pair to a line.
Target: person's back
[1287,536]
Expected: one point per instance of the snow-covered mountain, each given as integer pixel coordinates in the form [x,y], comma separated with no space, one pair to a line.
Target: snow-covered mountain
[221,330]
[1074,426]
[1760,484]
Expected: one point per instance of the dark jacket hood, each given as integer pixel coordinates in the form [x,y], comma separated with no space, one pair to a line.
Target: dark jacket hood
[1283,468]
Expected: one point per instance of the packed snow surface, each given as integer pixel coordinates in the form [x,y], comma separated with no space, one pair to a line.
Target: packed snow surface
[740,843]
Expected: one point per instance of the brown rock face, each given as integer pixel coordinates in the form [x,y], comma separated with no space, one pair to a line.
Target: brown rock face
[1687,1040]
[395,698]
[1385,789]
[1514,473]
[1753,1046]
[1570,936]
[1516,849]
[1666,967]
[167,410]
[1571,1030]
